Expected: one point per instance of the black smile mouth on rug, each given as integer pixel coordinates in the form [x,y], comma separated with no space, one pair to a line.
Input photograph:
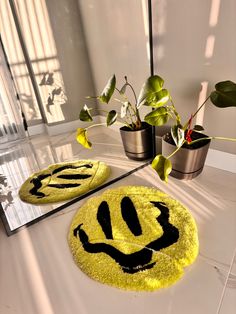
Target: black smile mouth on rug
[137,261]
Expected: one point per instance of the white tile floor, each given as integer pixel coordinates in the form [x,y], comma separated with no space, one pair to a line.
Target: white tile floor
[38,275]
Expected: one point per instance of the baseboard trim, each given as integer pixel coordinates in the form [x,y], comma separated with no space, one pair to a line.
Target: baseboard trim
[69,126]
[36,129]
[221,160]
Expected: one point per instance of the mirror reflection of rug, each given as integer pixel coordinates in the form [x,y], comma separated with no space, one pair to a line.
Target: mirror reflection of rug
[134,238]
[63,181]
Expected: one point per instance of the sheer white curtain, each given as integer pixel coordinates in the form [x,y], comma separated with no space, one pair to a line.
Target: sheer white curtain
[11,123]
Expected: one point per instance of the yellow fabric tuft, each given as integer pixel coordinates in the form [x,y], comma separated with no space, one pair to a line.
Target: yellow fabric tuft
[107,248]
[63,181]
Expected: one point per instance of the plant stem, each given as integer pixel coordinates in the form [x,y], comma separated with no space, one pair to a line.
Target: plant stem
[213,138]
[104,123]
[200,107]
[175,151]
[136,111]
[232,139]
[178,120]
[193,115]
[102,110]
[202,139]
[130,114]
[135,97]
[97,124]
[136,114]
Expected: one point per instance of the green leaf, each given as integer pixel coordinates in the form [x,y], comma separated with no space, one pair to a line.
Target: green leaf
[157,99]
[85,114]
[223,99]
[108,90]
[157,117]
[224,95]
[225,86]
[111,117]
[162,166]
[177,133]
[124,108]
[198,128]
[123,89]
[152,85]
[82,138]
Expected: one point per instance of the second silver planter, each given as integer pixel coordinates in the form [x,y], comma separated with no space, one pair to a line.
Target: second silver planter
[186,163]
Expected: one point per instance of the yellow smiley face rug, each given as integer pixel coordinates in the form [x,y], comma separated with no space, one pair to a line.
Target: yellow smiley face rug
[64,181]
[133,238]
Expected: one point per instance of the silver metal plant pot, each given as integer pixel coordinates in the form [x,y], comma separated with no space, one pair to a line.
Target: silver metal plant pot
[186,163]
[137,144]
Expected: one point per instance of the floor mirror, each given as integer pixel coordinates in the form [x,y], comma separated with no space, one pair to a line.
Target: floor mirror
[54,54]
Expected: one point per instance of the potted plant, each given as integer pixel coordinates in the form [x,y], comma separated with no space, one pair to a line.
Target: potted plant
[184,148]
[135,133]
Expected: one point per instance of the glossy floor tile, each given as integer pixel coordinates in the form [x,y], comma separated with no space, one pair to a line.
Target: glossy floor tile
[38,274]
[228,298]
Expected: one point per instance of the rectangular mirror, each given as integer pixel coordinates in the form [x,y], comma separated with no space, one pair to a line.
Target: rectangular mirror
[68,51]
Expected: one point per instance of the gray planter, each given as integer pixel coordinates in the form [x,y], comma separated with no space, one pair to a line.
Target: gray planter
[137,144]
[186,163]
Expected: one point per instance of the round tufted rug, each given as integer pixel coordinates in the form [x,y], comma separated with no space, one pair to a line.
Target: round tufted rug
[134,238]
[63,181]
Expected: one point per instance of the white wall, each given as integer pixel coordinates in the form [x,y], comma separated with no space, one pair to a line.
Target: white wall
[117,41]
[194,44]
[72,55]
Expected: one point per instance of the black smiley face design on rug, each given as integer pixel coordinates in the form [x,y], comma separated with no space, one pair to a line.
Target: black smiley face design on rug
[64,181]
[134,238]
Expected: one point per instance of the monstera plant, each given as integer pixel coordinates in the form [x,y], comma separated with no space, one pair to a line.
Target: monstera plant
[184,135]
[129,114]
[136,133]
